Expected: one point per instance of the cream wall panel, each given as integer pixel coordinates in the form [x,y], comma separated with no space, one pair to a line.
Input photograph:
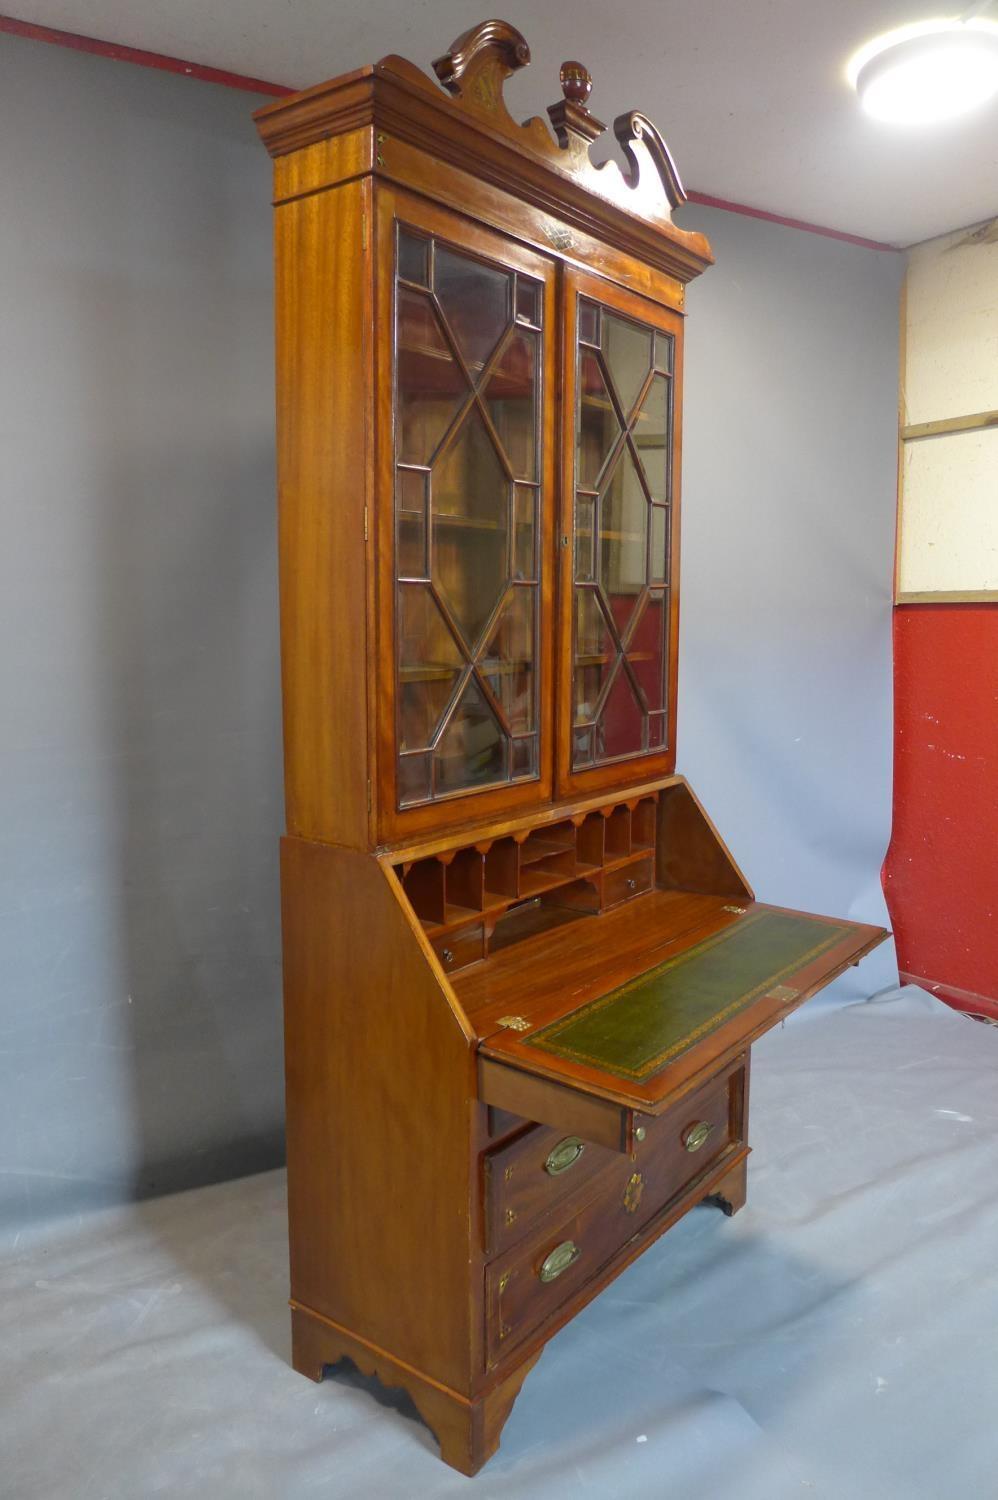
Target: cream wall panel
[952,326]
[949,520]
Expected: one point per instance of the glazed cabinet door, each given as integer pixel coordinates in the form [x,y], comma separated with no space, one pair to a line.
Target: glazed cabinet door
[466,339]
[619,569]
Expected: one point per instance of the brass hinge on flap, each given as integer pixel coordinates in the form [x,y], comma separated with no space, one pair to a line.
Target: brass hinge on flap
[513,1023]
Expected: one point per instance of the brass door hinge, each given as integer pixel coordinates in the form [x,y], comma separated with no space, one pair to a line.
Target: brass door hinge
[369,794]
[365,523]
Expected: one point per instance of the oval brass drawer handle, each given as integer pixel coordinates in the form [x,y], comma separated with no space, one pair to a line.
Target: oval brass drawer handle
[696,1135]
[564,1155]
[561,1257]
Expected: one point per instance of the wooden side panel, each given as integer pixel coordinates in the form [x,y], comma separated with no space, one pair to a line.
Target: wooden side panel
[691,855]
[380,1079]
[323,398]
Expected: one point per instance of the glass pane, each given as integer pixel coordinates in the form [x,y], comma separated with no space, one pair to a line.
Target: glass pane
[525,533]
[528,300]
[411,497]
[651,437]
[585,549]
[588,322]
[525,756]
[414,778]
[429,383]
[466,520]
[414,259]
[470,504]
[623,538]
[595,653]
[645,651]
[627,351]
[620,730]
[598,427]
[471,748]
[664,343]
[623,451]
[658,561]
[509,399]
[429,665]
[475,299]
[508,662]
[582,747]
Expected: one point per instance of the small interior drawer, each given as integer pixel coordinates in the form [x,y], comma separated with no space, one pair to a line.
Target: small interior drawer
[532,1174]
[456,949]
[629,880]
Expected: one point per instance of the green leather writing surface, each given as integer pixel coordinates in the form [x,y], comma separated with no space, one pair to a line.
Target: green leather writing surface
[636,1030]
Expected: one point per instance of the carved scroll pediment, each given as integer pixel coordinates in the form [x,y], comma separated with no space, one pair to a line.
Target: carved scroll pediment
[461,118]
[474,71]
[477,65]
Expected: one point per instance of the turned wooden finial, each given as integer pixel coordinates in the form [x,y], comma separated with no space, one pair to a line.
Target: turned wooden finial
[574,126]
[576,82]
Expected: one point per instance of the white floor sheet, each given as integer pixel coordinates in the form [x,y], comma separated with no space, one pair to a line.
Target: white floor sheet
[837,1340]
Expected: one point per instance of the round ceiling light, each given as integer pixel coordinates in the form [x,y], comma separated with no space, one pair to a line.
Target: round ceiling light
[926,72]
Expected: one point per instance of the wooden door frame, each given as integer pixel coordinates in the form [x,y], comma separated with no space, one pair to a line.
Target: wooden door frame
[642,766]
[394,204]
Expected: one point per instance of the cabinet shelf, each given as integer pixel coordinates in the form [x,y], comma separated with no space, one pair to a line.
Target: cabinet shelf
[599,403]
[440,672]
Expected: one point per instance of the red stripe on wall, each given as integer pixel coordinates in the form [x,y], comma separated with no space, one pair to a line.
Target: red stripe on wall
[763,213]
[141,58]
[941,870]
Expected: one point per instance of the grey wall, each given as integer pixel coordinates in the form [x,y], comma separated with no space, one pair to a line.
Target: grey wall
[789,485]
[139,735]
[139,729]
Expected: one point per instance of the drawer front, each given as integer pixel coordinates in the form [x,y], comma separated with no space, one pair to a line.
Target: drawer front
[457,949]
[680,1145]
[530,1282]
[630,880]
[532,1174]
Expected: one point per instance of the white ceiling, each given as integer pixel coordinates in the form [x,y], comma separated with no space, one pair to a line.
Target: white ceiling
[750,94]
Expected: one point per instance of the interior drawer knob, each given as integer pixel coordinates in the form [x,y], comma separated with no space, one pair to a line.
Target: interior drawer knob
[564,1155]
[696,1135]
[561,1257]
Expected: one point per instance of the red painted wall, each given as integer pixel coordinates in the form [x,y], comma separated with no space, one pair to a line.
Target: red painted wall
[941,871]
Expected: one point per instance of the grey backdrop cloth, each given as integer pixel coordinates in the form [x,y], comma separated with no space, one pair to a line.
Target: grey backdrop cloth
[835,1340]
[140,795]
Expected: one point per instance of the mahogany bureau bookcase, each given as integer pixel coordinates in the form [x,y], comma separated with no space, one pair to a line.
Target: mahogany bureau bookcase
[522,971]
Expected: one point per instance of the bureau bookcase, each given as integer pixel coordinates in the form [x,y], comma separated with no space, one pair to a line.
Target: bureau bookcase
[522,971]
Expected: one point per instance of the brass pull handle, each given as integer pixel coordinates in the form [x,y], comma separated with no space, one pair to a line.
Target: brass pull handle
[564,1155]
[561,1257]
[631,884]
[696,1135]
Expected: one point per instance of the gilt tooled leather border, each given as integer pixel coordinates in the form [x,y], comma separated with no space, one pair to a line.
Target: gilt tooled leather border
[546,1039]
